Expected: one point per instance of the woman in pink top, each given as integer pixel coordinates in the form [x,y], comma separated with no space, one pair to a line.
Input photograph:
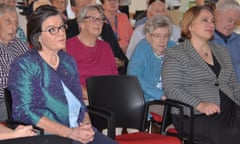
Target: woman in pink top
[94,57]
[119,22]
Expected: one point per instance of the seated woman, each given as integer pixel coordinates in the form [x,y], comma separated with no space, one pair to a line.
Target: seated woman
[146,61]
[45,84]
[94,57]
[200,73]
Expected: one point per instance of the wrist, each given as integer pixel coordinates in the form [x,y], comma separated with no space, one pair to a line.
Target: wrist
[70,132]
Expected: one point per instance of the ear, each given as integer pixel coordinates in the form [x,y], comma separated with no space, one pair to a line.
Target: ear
[148,37]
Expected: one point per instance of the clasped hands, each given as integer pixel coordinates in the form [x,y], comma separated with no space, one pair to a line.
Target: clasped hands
[208,108]
[84,133]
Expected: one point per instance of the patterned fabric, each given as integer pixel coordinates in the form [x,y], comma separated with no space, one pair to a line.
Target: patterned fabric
[188,78]
[37,90]
[7,54]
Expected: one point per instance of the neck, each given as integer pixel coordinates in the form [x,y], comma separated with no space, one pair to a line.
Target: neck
[87,40]
[51,58]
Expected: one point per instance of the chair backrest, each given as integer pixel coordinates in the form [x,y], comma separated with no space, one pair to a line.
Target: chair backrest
[123,96]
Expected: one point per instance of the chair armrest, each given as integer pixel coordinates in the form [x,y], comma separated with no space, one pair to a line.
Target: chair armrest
[13,124]
[169,104]
[101,119]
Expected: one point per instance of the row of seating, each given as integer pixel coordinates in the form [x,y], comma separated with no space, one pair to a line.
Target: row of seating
[118,102]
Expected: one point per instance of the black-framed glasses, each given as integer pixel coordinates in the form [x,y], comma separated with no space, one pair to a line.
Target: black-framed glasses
[55,30]
[94,19]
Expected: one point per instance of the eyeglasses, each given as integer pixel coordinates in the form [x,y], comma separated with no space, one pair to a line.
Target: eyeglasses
[95,19]
[111,0]
[55,30]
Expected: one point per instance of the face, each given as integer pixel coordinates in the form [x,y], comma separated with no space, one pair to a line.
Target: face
[60,5]
[156,8]
[110,5]
[8,27]
[158,39]
[226,21]
[203,26]
[56,40]
[92,25]
[80,4]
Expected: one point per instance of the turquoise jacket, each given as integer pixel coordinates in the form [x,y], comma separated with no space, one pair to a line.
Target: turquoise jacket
[147,67]
[37,90]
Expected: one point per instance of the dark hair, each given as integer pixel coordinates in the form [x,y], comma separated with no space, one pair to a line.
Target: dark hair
[73,3]
[34,26]
[152,1]
[190,15]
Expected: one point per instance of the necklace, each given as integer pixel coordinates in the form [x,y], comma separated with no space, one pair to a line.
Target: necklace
[56,64]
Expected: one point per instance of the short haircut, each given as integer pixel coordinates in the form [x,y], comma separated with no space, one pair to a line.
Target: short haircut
[223,5]
[34,26]
[6,8]
[190,15]
[83,12]
[155,22]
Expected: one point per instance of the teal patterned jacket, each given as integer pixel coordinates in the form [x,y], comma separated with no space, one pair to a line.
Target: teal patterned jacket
[37,90]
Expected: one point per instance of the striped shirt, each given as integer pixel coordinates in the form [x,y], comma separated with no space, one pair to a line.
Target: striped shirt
[7,54]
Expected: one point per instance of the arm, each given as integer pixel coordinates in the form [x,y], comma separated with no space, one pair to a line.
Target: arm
[20,131]
[139,66]
[84,133]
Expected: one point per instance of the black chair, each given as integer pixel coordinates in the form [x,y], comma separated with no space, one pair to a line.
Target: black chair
[10,122]
[122,95]
[167,120]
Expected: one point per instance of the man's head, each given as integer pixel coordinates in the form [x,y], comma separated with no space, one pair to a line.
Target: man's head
[77,5]
[8,23]
[227,15]
[156,7]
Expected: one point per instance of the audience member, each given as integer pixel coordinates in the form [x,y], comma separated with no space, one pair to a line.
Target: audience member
[45,84]
[119,22]
[61,5]
[200,73]
[20,32]
[107,35]
[124,6]
[227,16]
[93,56]
[155,8]
[10,48]
[146,61]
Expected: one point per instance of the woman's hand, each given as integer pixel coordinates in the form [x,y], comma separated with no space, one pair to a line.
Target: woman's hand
[208,108]
[23,131]
[84,133]
[119,62]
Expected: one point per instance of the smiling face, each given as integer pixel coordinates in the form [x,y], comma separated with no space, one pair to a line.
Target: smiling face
[8,26]
[202,26]
[53,42]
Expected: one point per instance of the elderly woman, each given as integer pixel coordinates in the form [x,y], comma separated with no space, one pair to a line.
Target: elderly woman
[45,84]
[200,73]
[94,57]
[10,48]
[146,61]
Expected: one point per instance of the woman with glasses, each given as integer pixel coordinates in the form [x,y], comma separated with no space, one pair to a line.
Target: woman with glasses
[45,84]
[200,73]
[94,57]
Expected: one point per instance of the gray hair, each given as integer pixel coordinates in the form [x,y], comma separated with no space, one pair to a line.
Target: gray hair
[155,22]
[6,8]
[83,12]
[223,5]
